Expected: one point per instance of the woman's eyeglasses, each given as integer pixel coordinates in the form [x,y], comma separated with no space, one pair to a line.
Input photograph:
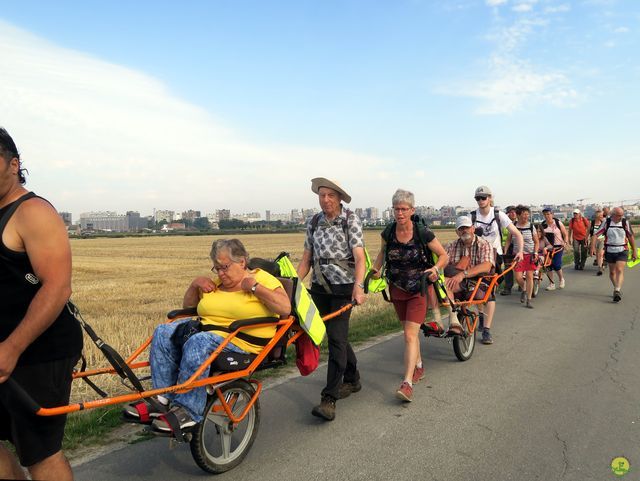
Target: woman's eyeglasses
[401,209]
[220,268]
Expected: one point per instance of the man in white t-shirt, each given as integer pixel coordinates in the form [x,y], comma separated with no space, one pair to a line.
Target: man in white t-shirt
[492,221]
[618,236]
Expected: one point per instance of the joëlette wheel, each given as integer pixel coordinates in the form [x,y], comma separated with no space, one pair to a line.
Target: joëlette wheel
[463,345]
[218,445]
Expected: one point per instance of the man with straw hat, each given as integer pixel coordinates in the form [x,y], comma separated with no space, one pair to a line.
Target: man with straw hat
[334,247]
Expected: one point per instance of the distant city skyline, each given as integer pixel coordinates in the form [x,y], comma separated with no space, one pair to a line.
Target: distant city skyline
[538,99]
[229,213]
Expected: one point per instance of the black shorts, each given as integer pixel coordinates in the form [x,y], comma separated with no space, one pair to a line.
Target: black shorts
[613,257]
[36,437]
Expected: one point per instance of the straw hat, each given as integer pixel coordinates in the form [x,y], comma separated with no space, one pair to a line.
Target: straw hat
[330,184]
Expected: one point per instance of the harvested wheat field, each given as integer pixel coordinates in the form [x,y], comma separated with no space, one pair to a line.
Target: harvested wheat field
[125,286]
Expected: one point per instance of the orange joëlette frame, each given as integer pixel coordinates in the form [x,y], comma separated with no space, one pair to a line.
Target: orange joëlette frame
[548,258]
[283,326]
[472,302]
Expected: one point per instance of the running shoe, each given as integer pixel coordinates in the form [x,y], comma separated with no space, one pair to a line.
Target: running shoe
[561,285]
[486,336]
[180,419]
[617,296]
[418,374]
[551,287]
[405,392]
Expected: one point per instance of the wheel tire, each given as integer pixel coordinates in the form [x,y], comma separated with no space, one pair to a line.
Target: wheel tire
[217,446]
[463,346]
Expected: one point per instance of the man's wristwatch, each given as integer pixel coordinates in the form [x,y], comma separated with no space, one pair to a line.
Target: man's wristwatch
[254,287]
[360,285]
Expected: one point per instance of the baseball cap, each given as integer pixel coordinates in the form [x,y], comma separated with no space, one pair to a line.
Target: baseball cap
[576,211]
[483,190]
[463,221]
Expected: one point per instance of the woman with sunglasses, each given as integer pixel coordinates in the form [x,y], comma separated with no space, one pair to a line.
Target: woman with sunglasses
[235,292]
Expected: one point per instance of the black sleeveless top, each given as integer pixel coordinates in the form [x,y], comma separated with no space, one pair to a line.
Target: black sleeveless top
[18,287]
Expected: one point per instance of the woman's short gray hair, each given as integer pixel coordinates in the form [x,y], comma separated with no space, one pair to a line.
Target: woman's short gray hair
[232,247]
[403,197]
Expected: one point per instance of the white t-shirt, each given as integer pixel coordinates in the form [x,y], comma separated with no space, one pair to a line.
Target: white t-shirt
[490,227]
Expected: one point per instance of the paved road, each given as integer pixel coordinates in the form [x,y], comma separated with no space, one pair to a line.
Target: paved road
[555,398]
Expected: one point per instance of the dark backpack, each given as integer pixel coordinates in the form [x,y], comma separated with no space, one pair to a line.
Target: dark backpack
[496,219]
[550,235]
[420,231]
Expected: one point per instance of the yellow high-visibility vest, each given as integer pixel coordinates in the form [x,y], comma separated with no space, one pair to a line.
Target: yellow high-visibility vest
[306,311]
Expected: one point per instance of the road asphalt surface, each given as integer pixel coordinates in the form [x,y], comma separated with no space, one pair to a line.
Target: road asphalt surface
[556,397]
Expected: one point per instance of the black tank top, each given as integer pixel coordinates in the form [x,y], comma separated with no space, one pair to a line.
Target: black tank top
[18,286]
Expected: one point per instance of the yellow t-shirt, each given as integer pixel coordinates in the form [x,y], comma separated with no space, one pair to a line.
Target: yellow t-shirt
[221,308]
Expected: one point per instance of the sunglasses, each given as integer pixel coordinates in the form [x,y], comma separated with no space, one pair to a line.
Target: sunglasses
[481,197]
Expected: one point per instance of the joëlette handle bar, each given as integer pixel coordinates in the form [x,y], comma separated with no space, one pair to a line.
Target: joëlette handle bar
[493,281]
[282,326]
[548,258]
[21,396]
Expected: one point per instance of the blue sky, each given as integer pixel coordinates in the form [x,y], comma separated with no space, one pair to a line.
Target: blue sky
[210,104]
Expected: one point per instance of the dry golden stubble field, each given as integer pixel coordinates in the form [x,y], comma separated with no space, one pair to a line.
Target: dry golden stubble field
[125,286]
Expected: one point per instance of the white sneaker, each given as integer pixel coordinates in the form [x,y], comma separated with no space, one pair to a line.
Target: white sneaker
[561,285]
[551,287]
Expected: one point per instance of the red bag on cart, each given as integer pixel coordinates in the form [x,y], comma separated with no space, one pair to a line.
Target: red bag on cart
[307,355]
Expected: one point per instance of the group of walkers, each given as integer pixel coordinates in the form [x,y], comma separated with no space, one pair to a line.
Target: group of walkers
[40,341]
[488,239]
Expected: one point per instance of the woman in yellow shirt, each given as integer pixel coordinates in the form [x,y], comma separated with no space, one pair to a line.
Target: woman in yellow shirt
[236,293]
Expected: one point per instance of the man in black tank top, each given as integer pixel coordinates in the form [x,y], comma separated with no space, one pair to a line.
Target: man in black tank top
[40,341]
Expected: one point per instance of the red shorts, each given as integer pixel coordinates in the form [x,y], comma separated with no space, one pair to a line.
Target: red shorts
[409,307]
[526,264]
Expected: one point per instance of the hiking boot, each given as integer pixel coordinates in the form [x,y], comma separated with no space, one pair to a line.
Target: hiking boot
[561,285]
[326,409]
[418,374]
[523,296]
[617,296]
[486,336]
[505,292]
[528,304]
[599,273]
[551,287]
[176,417]
[346,388]
[405,392]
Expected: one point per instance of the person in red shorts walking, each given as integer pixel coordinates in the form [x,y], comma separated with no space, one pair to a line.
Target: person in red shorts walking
[530,250]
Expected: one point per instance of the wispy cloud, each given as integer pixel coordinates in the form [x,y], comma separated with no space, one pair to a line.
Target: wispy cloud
[515,85]
[565,7]
[511,82]
[496,3]
[87,127]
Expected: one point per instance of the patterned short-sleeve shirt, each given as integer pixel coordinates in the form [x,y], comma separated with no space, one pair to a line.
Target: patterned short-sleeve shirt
[480,251]
[329,242]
